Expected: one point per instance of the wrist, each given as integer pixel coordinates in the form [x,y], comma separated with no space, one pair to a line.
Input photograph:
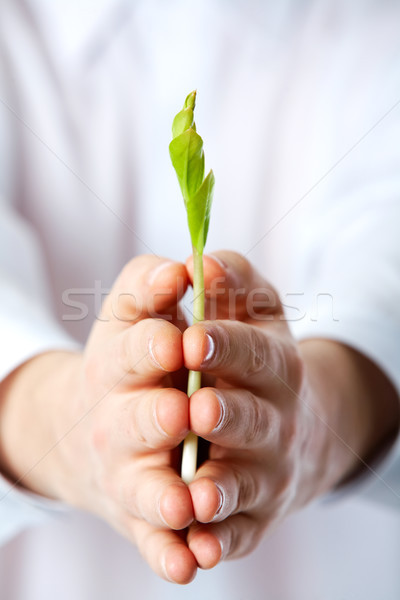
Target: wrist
[34,402]
[355,409]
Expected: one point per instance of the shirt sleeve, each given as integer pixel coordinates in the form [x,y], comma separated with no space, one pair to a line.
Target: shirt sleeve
[349,227]
[28,329]
[27,318]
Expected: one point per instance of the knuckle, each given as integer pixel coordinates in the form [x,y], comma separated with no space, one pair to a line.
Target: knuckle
[289,435]
[257,424]
[256,357]
[298,371]
[296,367]
[285,365]
[278,364]
[224,348]
[246,489]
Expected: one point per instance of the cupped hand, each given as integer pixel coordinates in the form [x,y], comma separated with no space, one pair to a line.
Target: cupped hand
[258,414]
[101,430]
[119,432]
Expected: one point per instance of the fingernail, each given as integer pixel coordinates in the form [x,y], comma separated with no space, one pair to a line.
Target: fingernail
[221,502]
[210,349]
[157,424]
[230,272]
[164,567]
[222,407]
[221,543]
[219,261]
[153,275]
[160,513]
[152,355]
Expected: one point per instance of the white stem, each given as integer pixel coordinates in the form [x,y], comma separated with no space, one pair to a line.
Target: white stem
[189,454]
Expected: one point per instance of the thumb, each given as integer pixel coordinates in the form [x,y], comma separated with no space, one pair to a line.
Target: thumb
[234,288]
[147,287]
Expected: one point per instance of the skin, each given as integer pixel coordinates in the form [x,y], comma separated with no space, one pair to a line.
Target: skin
[286,422]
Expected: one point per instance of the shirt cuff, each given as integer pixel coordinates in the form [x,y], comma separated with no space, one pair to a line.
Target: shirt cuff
[380,342]
[20,509]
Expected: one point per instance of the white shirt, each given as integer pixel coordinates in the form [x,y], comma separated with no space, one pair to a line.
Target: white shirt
[298,105]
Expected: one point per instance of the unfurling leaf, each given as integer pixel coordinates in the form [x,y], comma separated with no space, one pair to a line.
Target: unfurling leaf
[198,212]
[187,156]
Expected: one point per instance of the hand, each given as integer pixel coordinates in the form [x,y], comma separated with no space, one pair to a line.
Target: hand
[286,422]
[100,430]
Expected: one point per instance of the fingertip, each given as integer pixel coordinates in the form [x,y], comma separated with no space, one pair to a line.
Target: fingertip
[197,346]
[172,412]
[179,564]
[207,499]
[206,547]
[165,347]
[166,273]
[176,507]
[206,412]
[167,284]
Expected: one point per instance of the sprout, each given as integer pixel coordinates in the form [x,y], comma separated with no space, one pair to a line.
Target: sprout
[187,156]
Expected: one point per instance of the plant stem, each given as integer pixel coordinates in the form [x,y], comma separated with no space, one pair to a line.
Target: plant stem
[189,455]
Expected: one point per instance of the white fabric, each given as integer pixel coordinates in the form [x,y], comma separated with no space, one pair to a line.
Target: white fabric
[297,107]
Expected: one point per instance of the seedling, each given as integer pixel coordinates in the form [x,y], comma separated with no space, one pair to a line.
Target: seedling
[186,151]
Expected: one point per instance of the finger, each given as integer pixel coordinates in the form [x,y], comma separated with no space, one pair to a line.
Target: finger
[242,355]
[239,485]
[232,538]
[151,420]
[165,551]
[155,494]
[142,354]
[146,287]
[206,546]
[235,289]
[234,418]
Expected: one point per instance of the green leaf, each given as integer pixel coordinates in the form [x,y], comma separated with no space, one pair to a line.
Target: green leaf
[198,212]
[190,100]
[211,181]
[185,118]
[182,121]
[187,157]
